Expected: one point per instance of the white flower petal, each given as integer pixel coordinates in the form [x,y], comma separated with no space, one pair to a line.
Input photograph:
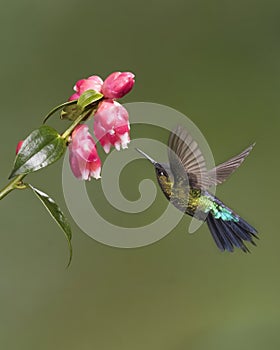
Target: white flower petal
[117,146]
[96,173]
[107,147]
[125,140]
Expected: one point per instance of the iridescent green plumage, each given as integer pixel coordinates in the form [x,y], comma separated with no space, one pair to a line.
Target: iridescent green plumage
[185,181]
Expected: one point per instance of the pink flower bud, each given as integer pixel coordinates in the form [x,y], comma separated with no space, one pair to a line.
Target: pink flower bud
[74,97]
[111,125]
[84,160]
[118,84]
[92,83]
[19,146]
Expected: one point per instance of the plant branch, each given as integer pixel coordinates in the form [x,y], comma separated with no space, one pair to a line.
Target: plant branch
[13,184]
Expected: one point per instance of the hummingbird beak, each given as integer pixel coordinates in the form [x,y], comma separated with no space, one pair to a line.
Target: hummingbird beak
[146,156]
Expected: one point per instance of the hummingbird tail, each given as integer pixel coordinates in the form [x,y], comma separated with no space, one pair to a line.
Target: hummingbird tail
[229,233]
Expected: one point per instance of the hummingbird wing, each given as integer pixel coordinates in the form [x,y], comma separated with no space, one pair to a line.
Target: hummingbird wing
[221,172]
[186,159]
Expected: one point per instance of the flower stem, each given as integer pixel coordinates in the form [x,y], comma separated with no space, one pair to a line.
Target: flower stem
[13,184]
[68,131]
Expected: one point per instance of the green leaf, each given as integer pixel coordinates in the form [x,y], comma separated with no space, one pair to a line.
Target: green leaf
[41,148]
[71,112]
[55,109]
[57,215]
[88,98]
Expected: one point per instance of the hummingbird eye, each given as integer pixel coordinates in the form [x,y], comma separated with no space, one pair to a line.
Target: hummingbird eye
[162,172]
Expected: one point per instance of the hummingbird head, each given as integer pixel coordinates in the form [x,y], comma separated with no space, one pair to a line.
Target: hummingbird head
[164,175]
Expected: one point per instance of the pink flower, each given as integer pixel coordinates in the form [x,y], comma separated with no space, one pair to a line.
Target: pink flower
[111,125]
[19,146]
[118,84]
[92,83]
[84,160]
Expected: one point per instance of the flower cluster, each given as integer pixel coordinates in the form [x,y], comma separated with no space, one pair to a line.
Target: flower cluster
[111,123]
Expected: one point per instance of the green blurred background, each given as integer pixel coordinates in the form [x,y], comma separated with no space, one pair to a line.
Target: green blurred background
[215,61]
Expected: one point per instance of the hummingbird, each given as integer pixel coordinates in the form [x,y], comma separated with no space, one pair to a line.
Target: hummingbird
[186,183]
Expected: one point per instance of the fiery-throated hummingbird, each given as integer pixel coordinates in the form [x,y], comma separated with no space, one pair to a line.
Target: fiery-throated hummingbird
[185,181]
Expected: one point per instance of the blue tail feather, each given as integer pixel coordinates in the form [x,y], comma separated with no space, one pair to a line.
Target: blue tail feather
[215,233]
[230,234]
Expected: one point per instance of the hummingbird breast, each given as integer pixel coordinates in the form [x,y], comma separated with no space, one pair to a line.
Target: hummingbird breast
[188,200]
[191,201]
